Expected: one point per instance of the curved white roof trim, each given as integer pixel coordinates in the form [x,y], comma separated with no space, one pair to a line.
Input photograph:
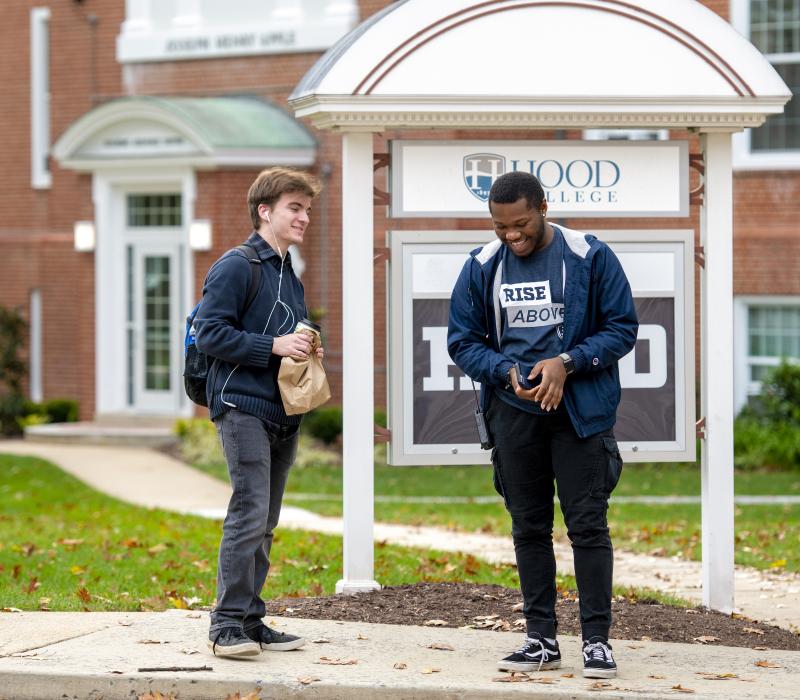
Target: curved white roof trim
[546,54]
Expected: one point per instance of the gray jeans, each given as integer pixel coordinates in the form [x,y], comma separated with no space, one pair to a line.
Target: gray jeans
[259,455]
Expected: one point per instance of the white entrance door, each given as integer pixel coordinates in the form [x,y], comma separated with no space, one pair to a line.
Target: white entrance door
[153,304]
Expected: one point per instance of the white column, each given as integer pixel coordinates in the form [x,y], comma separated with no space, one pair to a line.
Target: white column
[717,373]
[187,14]
[358,364]
[137,17]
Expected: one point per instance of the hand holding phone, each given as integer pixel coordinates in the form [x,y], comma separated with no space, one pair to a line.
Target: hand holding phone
[522,378]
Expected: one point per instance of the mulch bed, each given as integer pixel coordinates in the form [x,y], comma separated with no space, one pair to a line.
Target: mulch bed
[492,607]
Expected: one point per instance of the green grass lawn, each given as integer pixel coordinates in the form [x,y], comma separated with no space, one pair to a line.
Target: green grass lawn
[766,536]
[64,546]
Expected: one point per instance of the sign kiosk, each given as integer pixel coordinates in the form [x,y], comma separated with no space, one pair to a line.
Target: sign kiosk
[418,66]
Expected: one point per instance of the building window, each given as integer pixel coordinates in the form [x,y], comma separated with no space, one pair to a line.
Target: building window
[769,332]
[40,97]
[775,31]
[154,210]
[773,26]
[626,135]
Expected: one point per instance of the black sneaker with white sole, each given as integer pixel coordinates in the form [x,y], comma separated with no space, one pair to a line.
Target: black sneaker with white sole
[536,654]
[272,640]
[232,642]
[598,661]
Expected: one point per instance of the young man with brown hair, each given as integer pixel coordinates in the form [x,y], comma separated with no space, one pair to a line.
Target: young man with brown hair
[246,343]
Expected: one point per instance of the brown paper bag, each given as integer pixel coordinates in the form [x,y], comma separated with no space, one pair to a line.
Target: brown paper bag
[302,383]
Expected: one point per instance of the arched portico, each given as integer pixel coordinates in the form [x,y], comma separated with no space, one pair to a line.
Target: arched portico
[539,64]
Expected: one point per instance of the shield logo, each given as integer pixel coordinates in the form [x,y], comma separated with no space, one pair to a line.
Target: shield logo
[480,172]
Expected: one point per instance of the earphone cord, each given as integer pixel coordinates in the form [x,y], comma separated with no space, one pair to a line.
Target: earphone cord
[289,316]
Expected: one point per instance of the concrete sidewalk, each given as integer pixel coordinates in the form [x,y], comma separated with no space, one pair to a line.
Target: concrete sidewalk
[152,479]
[122,655]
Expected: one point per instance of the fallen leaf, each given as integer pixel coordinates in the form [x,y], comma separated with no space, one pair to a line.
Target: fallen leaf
[681,689]
[33,584]
[513,677]
[764,663]
[179,603]
[70,544]
[44,604]
[77,570]
[252,695]
[189,652]
[656,677]
[152,641]
[194,616]
[336,662]
[777,564]
[321,640]
[400,666]
[84,595]
[753,630]
[568,675]
[431,670]
[761,648]
[156,696]
[600,685]
[124,623]
[307,680]
[692,611]
[706,639]
[518,607]
[435,623]
[361,636]
[716,676]
[11,610]
[441,646]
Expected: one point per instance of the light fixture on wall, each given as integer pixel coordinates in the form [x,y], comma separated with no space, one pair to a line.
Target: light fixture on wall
[200,234]
[84,236]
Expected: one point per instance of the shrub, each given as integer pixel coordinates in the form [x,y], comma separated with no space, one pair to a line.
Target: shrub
[325,423]
[61,410]
[767,432]
[198,441]
[12,370]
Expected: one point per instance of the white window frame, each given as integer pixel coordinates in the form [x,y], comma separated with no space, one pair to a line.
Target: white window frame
[743,157]
[35,352]
[41,177]
[743,386]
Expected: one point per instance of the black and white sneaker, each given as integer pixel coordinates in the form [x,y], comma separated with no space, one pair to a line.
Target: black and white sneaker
[232,642]
[597,659]
[536,654]
[272,640]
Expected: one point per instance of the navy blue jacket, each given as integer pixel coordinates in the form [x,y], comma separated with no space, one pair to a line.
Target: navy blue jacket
[600,326]
[238,340]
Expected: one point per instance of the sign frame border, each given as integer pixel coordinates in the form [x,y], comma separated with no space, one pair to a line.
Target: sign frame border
[399,453]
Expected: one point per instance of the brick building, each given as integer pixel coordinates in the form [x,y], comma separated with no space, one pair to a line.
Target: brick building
[132,130]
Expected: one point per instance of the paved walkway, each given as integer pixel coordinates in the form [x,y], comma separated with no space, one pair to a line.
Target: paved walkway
[152,479]
[123,655]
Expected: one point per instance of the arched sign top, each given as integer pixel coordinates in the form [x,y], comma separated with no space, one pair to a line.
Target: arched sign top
[587,57]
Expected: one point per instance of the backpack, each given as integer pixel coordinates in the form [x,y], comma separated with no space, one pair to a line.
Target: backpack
[196,363]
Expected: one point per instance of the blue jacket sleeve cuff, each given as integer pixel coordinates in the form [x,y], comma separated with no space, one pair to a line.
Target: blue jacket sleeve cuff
[261,350]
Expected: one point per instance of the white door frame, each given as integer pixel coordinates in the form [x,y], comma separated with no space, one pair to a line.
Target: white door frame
[109,188]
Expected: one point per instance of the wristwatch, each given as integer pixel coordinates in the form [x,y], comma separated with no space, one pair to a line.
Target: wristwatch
[569,365]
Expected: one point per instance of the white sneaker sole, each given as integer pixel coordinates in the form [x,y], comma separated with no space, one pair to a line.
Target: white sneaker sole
[284,646]
[599,673]
[527,668]
[236,651]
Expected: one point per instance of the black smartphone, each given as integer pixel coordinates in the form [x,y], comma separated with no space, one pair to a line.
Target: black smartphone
[522,378]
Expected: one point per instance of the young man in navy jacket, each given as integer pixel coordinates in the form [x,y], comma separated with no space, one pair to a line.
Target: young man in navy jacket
[258,438]
[556,304]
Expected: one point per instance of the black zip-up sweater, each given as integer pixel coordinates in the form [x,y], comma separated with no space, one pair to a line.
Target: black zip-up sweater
[238,340]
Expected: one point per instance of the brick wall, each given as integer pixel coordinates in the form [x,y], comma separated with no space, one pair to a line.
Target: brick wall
[36,225]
